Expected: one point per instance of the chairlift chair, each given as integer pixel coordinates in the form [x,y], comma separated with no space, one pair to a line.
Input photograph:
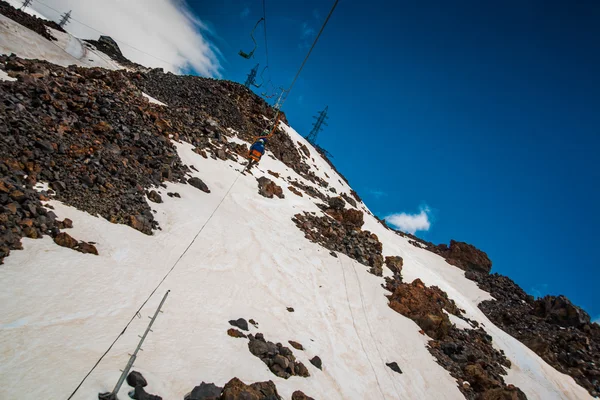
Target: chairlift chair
[248,56]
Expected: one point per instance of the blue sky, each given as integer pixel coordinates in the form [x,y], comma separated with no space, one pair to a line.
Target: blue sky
[486,116]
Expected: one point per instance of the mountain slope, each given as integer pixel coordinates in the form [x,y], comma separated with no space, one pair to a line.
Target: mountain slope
[228,254]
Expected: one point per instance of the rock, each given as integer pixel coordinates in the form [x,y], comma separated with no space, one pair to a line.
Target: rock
[275,174]
[17,196]
[258,348]
[301,370]
[424,305]
[235,389]
[394,263]
[464,256]
[503,394]
[206,391]
[333,254]
[290,309]
[281,361]
[479,379]
[59,186]
[316,361]
[268,188]
[154,197]
[394,367]
[235,333]
[67,224]
[295,345]
[337,203]
[107,396]
[295,191]
[136,379]
[560,311]
[198,184]
[86,248]
[240,323]
[253,322]
[298,395]
[140,394]
[65,240]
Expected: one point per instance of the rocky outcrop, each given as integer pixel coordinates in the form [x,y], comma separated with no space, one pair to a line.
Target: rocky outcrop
[554,328]
[205,391]
[468,354]
[395,263]
[340,230]
[198,184]
[89,134]
[464,256]
[278,358]
[268,188]
[424,305]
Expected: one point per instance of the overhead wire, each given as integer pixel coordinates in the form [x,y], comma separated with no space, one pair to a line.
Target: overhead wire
[104,34]
[276,119]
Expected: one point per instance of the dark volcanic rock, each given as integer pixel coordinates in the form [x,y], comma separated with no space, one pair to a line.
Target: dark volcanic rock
[554,328]
[468,354]
[290,309]
[298,395]
[240,323]
[136,379]
[154,196]
[268,188]
[198,184]
[235,389]
[278,358]
[140,394]
[464,256]
[205,391]
[394,367]
[316,361]
[295,345]
[65,240]
[394,263]
[340,230]
[424,305]
[91,135]
[235,333]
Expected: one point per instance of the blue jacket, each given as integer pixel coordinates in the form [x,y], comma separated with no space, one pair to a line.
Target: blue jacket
[258,146]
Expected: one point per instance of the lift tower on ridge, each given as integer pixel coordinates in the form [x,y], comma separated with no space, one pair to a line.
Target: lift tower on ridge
[317,126]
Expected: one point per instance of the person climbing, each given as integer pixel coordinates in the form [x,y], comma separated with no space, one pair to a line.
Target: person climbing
[256,152]
[258,147]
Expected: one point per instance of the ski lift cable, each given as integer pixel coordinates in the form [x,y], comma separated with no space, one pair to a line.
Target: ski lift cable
[311,49]
[251,54]
[265,29]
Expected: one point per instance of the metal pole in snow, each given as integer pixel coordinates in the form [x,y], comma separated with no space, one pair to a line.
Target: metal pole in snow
[139,346]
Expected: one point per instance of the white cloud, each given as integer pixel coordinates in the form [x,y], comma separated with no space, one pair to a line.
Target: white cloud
[411,223]
[167,30]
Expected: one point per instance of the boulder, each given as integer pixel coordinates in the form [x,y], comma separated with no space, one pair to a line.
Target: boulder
[136,379]
[154,197]
[235,389]
[394,263]
[239,323]
[268,188]
[198,184]
[394,367]
[205,391]
[560,311]
[298,395]
[316,361]
[296,345]
[235,333]
[65,240]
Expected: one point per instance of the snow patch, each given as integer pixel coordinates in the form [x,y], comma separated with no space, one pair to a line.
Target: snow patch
[4,77]
[153,100]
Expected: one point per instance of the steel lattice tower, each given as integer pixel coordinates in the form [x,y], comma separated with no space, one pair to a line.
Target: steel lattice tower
[251,77]
[65,19]
[317,126]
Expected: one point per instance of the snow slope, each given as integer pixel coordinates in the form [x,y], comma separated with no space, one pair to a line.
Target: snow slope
[60,310]
[66,50]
